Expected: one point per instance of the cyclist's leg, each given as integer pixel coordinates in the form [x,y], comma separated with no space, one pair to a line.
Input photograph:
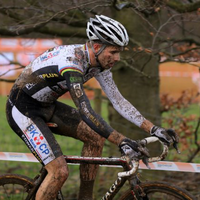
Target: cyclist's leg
[55,164]
[70,124]
[57,175]
[29,122]
[93,146]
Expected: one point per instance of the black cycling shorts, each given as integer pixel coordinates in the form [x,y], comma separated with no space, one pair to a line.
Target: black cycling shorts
[28,118]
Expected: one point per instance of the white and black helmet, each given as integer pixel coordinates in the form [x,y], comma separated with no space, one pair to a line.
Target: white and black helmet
[107,30]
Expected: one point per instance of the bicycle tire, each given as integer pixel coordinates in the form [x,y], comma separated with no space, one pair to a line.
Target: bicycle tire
[160,191]
[14,186]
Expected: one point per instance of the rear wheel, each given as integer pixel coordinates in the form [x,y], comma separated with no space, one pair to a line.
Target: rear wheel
[15,187]
[160,191]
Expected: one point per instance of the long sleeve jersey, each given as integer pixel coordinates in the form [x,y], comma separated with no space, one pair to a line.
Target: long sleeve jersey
[65,69]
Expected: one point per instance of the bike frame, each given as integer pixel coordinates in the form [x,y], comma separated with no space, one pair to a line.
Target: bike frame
[115,187]
[119,182]
[130,168]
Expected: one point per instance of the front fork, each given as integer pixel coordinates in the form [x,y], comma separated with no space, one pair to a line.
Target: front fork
[136,190]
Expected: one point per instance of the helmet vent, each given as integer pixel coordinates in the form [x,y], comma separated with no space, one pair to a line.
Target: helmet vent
[107,30]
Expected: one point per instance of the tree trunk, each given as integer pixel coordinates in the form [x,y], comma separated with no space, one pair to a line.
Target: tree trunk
[140,86]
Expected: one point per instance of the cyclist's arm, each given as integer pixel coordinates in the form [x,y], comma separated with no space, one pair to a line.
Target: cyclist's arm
[121,105]
[116,137]
[92,119]
[129,112]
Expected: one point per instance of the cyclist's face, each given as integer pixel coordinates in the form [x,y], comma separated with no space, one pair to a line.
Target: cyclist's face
[109,56]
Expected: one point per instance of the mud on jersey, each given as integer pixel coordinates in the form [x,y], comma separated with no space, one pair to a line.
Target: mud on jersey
[43,79]
[67,68]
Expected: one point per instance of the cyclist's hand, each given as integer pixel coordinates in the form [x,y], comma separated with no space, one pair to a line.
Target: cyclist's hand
[132,148]
[168,136]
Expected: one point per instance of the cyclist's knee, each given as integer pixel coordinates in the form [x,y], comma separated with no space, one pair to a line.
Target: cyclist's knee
[89,136]
[62,171]
[94,147]
[58,169]
[98,144]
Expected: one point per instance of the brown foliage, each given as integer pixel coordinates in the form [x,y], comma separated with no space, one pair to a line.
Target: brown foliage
[181,120]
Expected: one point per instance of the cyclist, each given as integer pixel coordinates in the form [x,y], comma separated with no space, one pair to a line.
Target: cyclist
[33,103]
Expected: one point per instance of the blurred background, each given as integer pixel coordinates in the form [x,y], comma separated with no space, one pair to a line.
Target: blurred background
[159,73]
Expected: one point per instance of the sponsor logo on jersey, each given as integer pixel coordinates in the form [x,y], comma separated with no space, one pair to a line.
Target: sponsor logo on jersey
[49,55]
[31,147]
[88,114]
[37,140]
[33,137]
[30,85]
[75,79]
[78,90]
[49,75]
[85,109]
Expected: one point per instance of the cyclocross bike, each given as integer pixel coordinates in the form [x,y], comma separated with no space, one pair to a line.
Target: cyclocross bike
[18,187]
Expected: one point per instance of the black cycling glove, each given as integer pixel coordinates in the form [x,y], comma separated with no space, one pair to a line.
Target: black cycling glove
[131,147]
[168,136]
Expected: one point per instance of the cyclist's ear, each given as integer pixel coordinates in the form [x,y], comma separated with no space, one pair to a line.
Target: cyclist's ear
[96,46]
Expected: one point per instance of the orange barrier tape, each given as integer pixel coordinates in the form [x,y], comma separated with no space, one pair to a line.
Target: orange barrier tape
[161,165]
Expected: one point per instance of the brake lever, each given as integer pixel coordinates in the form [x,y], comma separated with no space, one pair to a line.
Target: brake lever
[175,145]
[145,160]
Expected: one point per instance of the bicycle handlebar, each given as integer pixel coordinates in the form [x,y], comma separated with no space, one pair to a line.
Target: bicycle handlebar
[135,162]
[164,152]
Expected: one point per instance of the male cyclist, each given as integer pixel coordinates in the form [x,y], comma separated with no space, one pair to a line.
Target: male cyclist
[33,103]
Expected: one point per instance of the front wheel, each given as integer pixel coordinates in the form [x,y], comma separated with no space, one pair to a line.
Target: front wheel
[158,191]
[15,187]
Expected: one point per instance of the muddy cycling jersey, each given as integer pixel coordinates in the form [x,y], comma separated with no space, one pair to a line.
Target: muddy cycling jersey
[67,68]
